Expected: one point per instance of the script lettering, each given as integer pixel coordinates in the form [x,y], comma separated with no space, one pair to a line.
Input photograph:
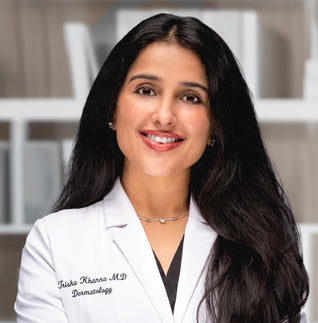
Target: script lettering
[100,290]
[117,276]
[64,284]
[89,280]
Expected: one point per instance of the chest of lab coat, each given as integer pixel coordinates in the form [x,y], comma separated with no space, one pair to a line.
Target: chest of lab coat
[95,264]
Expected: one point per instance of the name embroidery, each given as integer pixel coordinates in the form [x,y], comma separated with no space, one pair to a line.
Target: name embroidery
[86,280]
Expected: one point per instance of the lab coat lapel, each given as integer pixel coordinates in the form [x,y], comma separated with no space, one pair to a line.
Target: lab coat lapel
[198,240]
[130,237]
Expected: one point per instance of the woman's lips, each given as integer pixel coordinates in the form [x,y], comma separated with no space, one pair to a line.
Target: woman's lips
[161,141]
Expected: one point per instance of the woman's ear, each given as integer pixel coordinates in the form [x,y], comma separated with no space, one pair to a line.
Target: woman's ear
[114,120]
[212,137]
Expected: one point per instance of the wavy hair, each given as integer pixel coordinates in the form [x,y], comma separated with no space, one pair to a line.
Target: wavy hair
[255,268]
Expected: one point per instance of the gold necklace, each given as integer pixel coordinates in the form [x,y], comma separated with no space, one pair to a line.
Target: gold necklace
[162,220]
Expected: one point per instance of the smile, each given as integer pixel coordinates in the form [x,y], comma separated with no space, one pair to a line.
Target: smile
[161,140]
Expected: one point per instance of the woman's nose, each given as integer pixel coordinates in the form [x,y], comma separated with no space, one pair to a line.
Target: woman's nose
[164,114]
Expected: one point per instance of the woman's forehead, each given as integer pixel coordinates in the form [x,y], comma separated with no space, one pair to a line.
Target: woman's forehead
[160,58]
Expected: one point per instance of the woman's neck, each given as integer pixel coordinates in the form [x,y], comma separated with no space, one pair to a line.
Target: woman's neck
[157,196]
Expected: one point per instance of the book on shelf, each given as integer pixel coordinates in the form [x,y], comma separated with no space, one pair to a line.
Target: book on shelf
[42,178]
[4,182]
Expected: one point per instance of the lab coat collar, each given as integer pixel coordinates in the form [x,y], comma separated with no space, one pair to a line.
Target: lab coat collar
[198,241]
[118,209]
[130,237]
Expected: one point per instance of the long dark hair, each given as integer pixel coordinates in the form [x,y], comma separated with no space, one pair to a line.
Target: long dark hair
[255,269]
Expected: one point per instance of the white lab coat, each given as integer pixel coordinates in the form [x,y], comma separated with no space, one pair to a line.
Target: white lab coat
[95,264]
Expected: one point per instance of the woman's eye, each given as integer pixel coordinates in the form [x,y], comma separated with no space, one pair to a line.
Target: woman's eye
[191,98]
[145,91]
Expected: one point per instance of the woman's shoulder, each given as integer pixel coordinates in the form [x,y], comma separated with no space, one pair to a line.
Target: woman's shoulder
[68,232]
[66,215]
[90,221]
[87,215]
[72,220]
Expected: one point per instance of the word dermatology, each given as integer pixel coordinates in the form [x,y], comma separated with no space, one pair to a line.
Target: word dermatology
[100,290]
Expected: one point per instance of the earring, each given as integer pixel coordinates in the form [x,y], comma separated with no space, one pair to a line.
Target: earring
[111,125]
[211,142]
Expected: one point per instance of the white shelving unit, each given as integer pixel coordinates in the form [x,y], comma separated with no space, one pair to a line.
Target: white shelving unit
[19,113]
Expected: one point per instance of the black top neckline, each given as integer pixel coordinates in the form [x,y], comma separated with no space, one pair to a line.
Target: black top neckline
[170,280]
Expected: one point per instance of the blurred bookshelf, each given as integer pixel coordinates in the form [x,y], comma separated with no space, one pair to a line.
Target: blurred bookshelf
[41,102]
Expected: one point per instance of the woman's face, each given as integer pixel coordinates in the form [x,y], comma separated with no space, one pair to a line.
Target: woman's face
[162,115]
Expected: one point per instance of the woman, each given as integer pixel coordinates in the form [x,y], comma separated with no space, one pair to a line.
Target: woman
[171,212]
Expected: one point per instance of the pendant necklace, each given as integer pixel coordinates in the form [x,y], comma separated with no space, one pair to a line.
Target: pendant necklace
[163,220]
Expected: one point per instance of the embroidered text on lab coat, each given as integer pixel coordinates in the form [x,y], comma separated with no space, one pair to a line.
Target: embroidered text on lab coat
[87,280]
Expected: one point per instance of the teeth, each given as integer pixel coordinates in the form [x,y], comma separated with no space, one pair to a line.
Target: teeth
[162,140]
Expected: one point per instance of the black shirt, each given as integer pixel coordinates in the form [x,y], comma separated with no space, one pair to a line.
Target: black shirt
[171,280]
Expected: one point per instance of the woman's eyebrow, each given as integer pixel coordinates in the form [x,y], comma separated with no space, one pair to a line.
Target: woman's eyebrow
[156,78]
[194,84]
[145,76]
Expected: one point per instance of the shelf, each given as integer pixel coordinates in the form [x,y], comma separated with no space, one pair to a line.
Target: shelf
[11,229]
[40,109]
[287,110]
